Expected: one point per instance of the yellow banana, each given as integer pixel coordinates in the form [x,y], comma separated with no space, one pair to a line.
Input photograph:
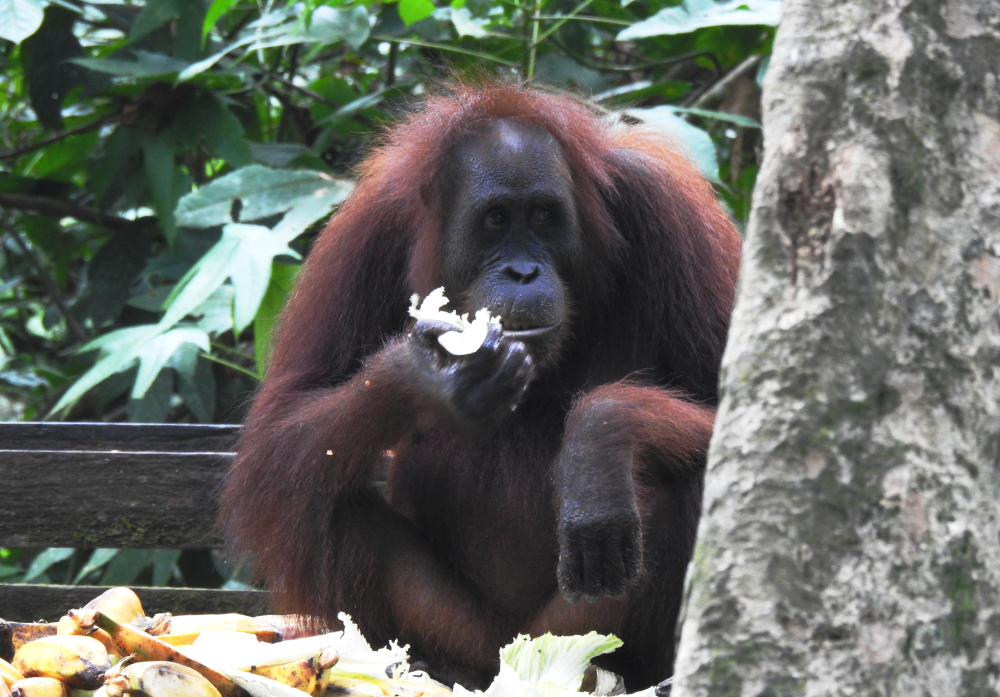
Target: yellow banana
[39,687]
[9,674]
[79,661]
[311,675]
[23,632]
[129,640]
[190,624]
[66,626]
[160,679]
[4,690]
[339,686]
[120,604]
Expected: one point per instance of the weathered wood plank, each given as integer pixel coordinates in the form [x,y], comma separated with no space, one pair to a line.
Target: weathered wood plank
[152,500]
[118,436]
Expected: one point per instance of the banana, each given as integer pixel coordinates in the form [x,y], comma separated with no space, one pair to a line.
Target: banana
[129,640]
[66,626]
[40,687]
[339,686]
[120,604]
[4,689]
[190,624]
[9,674]
[79,661]
[159,679]
[311,675]
[23,632]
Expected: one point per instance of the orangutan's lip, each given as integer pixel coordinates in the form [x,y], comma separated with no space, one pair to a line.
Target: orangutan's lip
[530,333]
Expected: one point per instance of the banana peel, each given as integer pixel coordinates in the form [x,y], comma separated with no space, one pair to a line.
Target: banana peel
[120,604]
[310,675]
[9,674]
[129,640]
[79,661]
[195,624]
[14,635]
[159,679]
[40,687]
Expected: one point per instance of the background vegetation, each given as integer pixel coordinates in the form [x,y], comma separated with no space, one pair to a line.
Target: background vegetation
[164,165]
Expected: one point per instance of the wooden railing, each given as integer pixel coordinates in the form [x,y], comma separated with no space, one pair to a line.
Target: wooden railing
[140,486]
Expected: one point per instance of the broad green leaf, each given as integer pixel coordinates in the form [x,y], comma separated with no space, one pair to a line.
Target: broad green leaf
[121,349]
[329,25]
[261,192]
[44,561]
[158,159]
[698,14]
[215,315]
[244,255]
[203,65]
[164,561]
[21,19]
[125,568]
[215,12]
[412,11]
[308,210]
[465,25]
[145,65]
[207,116]
[693,141]
[154,354]
[196,381]
[155,13]
[717,115]
[282,281]
[99,558]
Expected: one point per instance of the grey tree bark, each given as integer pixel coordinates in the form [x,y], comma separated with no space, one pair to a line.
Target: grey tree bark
[850,540]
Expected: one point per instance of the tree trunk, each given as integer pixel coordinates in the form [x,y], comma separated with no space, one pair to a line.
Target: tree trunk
[850,543]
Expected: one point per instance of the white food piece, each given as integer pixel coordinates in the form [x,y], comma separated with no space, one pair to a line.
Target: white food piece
[467,337]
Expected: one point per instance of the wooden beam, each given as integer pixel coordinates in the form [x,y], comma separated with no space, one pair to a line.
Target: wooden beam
[149,500]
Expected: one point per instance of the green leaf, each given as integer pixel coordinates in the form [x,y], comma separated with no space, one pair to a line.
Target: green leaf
[328,25]
[412,11]
[146,64]
[717,115]
[196,379]
[154,15]
[121,349]
[697,14]
[125,568]
[154,354]
[465,25]
[244,255]
[215,12]
[158,159]
[99,558]
[260,191]
[205,115]
[282,281]
[21,19]
[693,141]
[164,561]
[47,559]
[44,55]
[555,664]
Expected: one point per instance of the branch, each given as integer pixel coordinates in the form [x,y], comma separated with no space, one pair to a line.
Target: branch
[63,209]
[717,89]
[57,137]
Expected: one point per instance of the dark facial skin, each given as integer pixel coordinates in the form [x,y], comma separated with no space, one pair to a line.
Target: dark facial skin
[510,233]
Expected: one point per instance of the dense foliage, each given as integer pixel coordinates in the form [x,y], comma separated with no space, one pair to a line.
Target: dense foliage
[165,163]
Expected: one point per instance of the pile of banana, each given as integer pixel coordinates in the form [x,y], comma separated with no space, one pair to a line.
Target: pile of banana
[110,648]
